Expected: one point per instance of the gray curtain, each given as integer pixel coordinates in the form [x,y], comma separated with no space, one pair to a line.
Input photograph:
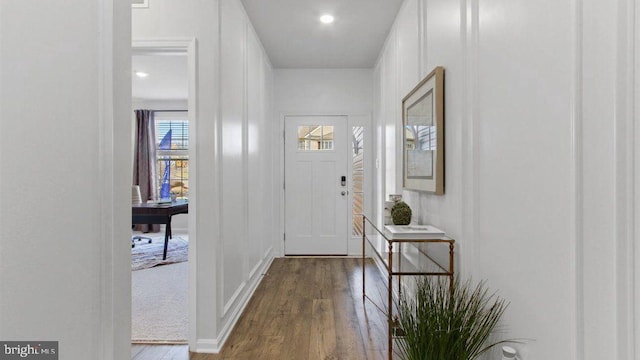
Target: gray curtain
[144,161]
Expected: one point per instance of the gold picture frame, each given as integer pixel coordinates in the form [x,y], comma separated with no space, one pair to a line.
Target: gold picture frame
[423,135]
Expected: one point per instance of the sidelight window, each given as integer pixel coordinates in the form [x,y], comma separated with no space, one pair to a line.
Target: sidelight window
[357,187]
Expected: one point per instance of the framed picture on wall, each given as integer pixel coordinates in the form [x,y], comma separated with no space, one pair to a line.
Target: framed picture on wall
[423,139]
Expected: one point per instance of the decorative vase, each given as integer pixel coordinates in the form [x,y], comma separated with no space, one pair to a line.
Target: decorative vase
[401,213]
[387,212]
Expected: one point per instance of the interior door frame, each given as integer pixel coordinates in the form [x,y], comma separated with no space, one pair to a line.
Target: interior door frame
[166,46]
[354,247]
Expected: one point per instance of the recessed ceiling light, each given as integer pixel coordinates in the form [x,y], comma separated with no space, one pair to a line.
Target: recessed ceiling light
[326,19]
[141,74]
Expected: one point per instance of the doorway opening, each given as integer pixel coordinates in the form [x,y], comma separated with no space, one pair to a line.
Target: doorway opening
[163,270]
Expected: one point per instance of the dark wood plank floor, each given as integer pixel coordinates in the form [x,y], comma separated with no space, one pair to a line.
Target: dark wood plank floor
[305,308]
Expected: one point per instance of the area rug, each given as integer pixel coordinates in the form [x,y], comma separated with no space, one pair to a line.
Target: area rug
[146,255]
[159,307]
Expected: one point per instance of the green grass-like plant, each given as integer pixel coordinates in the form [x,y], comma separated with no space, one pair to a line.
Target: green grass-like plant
[439,322]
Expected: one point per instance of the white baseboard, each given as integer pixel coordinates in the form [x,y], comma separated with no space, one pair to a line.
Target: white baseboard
[233,300]
[207,346]
[214,346]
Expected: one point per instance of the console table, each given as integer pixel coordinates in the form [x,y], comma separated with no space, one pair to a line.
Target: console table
[159,213]
[404,257]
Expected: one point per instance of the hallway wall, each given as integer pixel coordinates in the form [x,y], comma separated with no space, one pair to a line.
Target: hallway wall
[538,186]
[65,179]
[234,176]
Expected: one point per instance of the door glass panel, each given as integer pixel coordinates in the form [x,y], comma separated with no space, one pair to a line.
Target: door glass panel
[315,137]
[357,182]
[303,138]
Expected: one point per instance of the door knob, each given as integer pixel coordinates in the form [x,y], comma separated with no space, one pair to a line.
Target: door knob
[343,193]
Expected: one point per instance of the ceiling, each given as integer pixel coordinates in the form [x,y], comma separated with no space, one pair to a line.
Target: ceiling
[167,80]
[293,36]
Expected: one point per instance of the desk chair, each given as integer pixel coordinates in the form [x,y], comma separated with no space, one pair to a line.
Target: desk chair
[139,238]
[136,198]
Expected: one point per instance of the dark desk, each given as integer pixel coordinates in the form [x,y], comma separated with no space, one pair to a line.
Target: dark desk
[159,214]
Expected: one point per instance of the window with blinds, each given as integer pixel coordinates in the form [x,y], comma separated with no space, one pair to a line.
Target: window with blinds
[172,151]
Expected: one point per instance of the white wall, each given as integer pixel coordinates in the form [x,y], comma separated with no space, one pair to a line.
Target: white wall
[323,92]
[64,212]
[539,102]
[233,155]
[246,217]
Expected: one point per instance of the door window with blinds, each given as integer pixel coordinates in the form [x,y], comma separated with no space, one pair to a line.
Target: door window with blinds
[172,150]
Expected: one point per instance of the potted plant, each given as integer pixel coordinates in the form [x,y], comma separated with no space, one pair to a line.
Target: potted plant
[401,213]
[443,321]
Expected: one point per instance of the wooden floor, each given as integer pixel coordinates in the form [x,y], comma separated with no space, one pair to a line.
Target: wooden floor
[305,308]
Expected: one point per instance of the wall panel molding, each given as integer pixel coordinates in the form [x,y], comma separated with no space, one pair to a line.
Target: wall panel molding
[576,195]
[422,39]
[469,32]
[218,185]
[238,303]
[233,155]
[245,148]
[625,170]
[396,116]
[603,224]
[240,261]
[636,181]
[113,97]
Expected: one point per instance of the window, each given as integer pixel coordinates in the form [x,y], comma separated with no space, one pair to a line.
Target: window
[357,189]
[172,150]
[315,137]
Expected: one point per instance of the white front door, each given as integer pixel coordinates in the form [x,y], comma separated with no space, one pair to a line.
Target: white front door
[316,191]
